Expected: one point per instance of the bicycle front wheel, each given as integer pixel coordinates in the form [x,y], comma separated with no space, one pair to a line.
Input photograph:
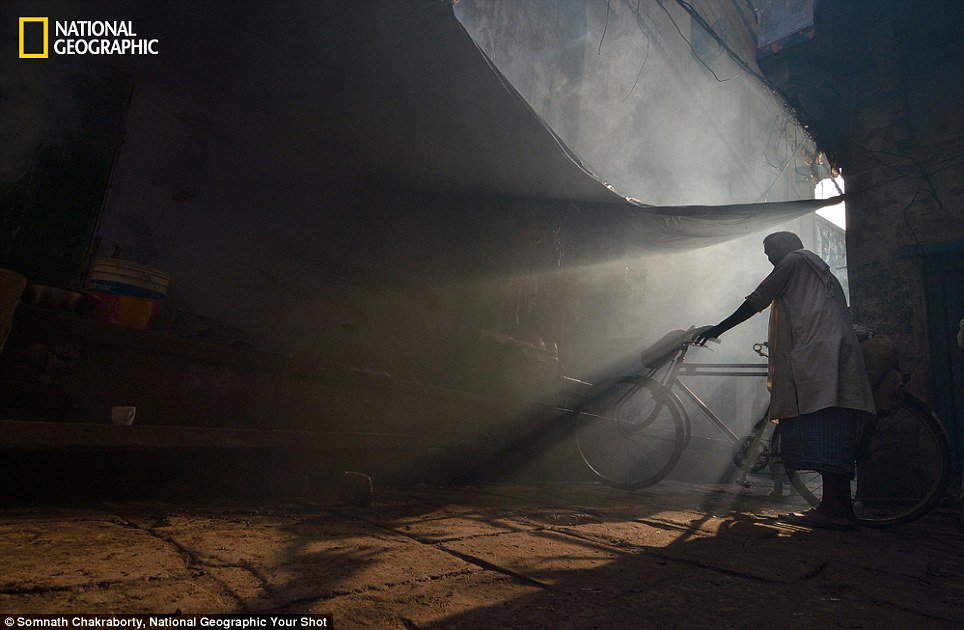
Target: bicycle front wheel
[629,431]
[903,471]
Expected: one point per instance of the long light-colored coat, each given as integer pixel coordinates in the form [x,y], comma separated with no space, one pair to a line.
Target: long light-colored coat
[815,359]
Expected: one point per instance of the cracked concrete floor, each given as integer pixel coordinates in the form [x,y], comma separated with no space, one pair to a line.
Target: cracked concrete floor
[523,556]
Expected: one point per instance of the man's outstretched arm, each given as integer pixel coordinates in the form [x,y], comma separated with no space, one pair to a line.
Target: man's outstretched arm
[739,316]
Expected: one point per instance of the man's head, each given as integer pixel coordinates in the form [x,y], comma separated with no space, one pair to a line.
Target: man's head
[779,244]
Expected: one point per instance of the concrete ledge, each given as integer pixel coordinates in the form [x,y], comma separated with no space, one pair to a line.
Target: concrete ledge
[63,374]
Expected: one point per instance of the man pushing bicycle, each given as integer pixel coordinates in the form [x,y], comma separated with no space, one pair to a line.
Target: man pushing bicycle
[819,390]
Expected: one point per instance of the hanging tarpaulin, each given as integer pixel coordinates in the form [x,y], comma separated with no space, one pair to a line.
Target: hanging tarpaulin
[646,119]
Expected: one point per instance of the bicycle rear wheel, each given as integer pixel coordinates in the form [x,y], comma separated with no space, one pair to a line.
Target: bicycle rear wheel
[629,431]
[903,472]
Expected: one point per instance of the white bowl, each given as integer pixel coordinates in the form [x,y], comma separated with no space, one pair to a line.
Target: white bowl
[123,415]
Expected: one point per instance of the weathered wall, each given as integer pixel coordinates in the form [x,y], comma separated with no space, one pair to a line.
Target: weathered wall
[907,218]
[876,85]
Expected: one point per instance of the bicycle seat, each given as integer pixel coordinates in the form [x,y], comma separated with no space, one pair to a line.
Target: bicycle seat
[663,350]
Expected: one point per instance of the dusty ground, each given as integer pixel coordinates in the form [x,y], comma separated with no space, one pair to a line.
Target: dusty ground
[522,556]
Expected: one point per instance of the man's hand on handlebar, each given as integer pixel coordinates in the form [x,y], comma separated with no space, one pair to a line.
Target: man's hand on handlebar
[708,333]
[739,316]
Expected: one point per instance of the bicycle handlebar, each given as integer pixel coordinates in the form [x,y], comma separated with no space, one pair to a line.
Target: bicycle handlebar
[693,332]
[679,341]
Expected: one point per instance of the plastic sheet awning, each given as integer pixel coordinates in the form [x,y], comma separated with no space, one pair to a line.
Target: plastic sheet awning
[395,94]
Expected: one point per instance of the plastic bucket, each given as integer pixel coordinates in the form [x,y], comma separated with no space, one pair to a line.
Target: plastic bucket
[125,310]
[128,294]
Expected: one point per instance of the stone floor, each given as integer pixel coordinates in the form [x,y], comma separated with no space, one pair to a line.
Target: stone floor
[536,555]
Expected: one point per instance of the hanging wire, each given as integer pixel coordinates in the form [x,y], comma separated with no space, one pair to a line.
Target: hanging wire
[924,171]
[771,142]
[605,27]
[732,53]
[746,22]
[640,73]
[905,214]
[696,54]
[783,170]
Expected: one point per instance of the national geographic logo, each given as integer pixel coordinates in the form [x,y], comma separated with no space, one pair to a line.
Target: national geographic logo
[82,37]
[33,38]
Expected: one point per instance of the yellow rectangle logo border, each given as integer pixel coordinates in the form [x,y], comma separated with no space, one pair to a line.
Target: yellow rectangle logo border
[41,55]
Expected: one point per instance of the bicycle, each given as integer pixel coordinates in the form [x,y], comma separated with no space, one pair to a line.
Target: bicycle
[632,429]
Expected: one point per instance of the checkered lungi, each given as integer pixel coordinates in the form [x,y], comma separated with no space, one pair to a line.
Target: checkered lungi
[824,441]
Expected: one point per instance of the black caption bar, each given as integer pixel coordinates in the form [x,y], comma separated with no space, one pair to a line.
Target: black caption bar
[147,622]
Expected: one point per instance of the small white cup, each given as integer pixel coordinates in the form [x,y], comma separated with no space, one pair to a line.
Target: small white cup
[122,416]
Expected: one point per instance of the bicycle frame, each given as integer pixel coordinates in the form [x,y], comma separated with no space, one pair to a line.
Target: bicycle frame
[644,416]
[634,428]
[677,368]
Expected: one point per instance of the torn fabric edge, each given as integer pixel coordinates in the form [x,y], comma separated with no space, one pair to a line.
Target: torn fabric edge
[662,228]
